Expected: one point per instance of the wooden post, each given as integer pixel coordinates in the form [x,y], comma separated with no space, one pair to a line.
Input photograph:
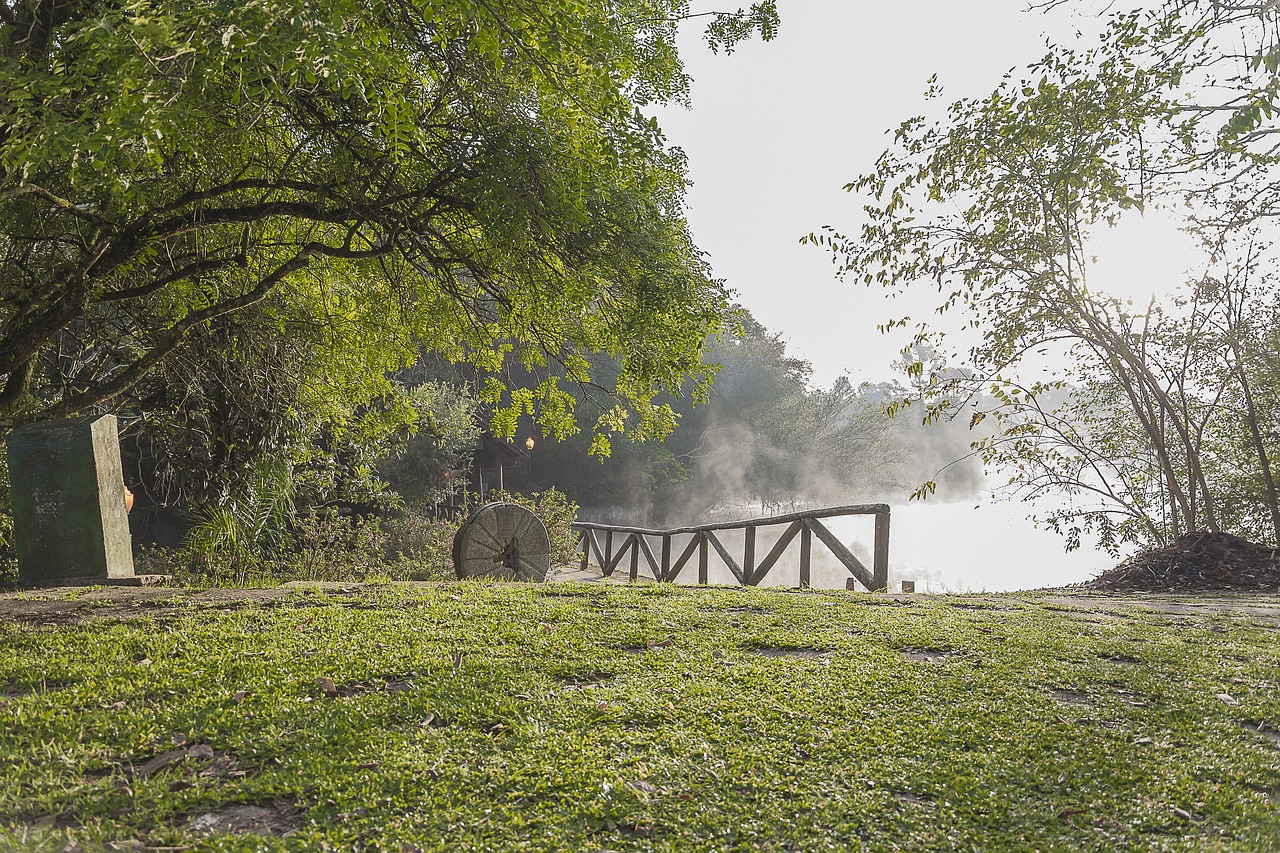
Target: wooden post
[806,546]
[666,558]
[586,549]
[702,558]
[748,554]
[880,564]
[635,556]
[608,551]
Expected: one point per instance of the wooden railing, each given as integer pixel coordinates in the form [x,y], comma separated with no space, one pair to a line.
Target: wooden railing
[634,542]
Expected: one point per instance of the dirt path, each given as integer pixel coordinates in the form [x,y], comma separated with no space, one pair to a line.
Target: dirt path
[71,605]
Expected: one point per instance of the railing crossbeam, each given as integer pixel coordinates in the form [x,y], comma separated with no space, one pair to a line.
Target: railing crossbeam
[724,555]
[749,572]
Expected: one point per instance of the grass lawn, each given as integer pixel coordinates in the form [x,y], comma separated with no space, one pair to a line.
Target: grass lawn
[617,718]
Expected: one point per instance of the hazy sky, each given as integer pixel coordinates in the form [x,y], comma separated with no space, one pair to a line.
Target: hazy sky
[776,130]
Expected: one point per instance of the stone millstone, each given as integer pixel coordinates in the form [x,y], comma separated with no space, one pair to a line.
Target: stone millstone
[503,541]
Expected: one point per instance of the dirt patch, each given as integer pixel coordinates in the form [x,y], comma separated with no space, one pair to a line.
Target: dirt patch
[585,680]
[278,818]
[1196,562]
[914,799]
[928,655]
[789,652]
[1272,736]
[1126,660]
[1069,696]
[69,606]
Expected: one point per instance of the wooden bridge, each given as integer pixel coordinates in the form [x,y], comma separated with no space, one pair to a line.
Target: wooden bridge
[610,544]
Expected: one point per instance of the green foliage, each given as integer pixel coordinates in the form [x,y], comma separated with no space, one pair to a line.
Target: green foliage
[238,532]
[428,468]
[253,539]
[8,557]
[479,180]
[727,30]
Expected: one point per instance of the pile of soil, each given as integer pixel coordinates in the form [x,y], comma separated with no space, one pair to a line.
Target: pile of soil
[1196,562]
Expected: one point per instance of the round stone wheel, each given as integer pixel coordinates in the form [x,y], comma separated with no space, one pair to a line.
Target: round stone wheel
[503,541]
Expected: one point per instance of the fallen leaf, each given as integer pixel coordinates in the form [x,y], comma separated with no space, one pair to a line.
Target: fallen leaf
[398,686]
[369,765]
[657,644]
[239,696]
[717,655]
[1227,699]
[180,785]
[1143,740]
[160,762]
[428,720]
[178,738]
[145,662]
[325,683]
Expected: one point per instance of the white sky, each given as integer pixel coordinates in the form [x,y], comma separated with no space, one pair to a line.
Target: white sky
[777,129]
[775,132]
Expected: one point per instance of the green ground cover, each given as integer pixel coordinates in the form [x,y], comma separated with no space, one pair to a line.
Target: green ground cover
[586,717]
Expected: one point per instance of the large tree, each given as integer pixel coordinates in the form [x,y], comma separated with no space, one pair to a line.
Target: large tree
[1153,423]
[477,177]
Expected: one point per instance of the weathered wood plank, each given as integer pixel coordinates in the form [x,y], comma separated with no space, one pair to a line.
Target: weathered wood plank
[806,553]
[880,563]
[774,553]
[684,557]
[843,554]
[622,552]
[649,558]
[600,558]
[724,555]
[829,512]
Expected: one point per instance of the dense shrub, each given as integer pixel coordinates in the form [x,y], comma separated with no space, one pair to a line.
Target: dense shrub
[330,546]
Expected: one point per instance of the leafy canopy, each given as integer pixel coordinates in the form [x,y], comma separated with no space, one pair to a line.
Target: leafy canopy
[1157,423]
[473,177]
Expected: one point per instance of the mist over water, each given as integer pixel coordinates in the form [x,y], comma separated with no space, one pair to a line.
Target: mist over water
[941,547]
[958,540]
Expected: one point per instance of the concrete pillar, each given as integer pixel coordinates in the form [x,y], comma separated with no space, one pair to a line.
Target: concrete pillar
[69,519]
